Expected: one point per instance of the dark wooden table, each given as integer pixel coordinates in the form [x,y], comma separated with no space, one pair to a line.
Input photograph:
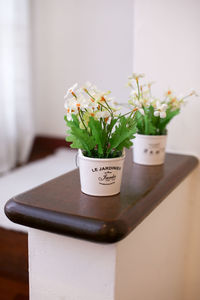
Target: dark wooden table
[59,206]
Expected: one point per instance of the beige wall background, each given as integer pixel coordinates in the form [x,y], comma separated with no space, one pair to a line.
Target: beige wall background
[77,41]
[166,47]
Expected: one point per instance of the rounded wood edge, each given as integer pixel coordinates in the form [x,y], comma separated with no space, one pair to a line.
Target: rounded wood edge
[69,225]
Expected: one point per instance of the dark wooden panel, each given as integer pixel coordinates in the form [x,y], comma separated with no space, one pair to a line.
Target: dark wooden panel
[13,289]
[14,254]
[46,145]
[13,265]
[59,206]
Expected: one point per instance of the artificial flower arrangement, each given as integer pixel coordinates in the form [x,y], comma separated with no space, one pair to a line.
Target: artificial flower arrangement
[152,117]
[100,132]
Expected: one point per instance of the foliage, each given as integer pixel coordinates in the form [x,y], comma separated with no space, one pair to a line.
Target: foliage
[94,125]
[148,124]
[152,114]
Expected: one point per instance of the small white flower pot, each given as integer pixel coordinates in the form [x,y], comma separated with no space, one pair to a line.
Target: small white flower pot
[149,149]
[99,176]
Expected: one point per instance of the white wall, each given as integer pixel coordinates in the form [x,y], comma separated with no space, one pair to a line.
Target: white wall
[76,41]
[166,48]
[151,261]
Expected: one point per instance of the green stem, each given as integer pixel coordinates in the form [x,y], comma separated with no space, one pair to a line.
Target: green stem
[82,121]
[130,112]
[138,87]
[111,112]
[104,107]
[90,95]
[146,127]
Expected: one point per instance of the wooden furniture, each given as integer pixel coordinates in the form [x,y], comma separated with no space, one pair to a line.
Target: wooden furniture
[46,145]
[59,206]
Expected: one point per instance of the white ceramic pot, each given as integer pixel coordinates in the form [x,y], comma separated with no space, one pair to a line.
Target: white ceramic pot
[99,176]
[149,149]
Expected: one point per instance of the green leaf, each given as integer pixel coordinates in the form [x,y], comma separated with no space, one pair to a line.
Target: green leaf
[154,119]
[111,125]
[125,144]
[80,138]
[102,140]
[140,121]
[123,133]
[97,133]
[74,122]
[164,122]
[151,128]
[144,123]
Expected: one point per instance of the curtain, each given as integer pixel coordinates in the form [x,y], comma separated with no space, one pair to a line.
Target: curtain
[16,120]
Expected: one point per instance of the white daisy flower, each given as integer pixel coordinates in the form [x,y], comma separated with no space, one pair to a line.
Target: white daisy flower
[71,90]
[168,93]
[149,84]
[114,105]
[191,93]
[69,104]
[145,102]
[160,110]
[102,114]
[76,104]
[134,94]
[141,110]
[136,76]
[138,106]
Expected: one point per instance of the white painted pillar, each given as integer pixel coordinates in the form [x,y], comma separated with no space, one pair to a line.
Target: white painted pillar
[65,268]
[150,264]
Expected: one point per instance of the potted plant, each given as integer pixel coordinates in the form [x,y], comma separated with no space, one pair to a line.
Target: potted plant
[152,117]
[101,133]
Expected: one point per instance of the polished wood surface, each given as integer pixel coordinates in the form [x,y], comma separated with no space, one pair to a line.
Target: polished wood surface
[59,205]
